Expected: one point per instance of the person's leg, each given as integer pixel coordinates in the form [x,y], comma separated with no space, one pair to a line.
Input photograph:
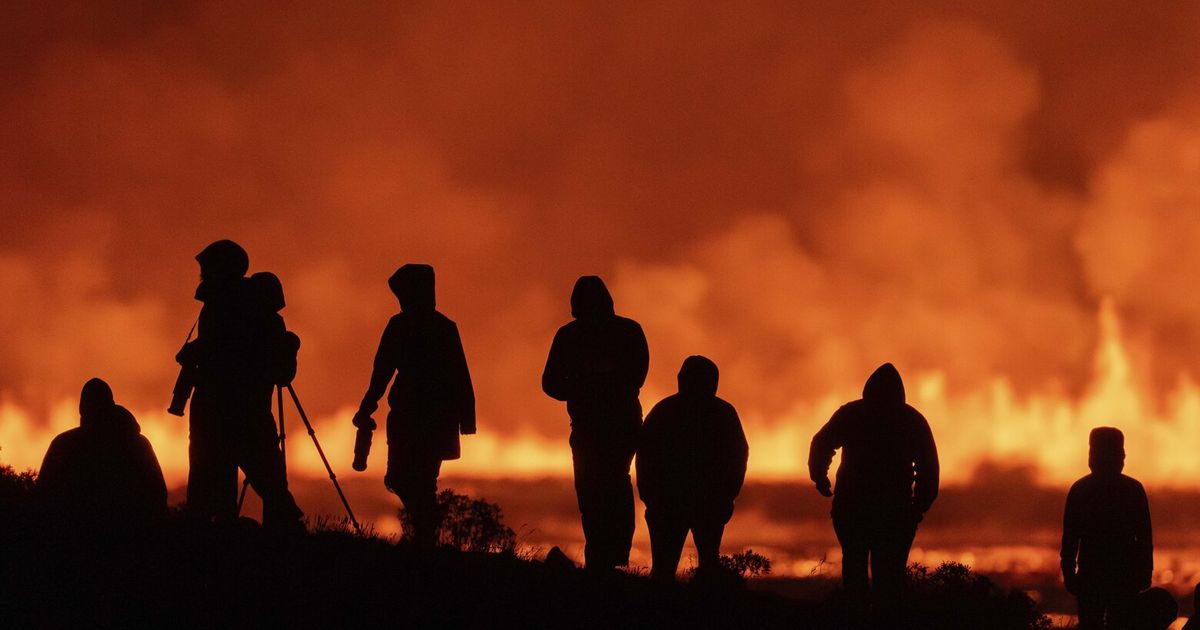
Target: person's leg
[852,538]
[889,558]
[413,477]
[212,471]
[667,535]
[707,534]
[1091,610]
[259,458]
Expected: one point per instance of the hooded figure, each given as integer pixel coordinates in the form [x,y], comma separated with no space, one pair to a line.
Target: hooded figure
[1107,545]
[597,365]
[431,401]
[234,362]
[886,482]
[102,475]
[691,463]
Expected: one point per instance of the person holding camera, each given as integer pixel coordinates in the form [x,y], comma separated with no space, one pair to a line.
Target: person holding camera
[431,401]
[234,362]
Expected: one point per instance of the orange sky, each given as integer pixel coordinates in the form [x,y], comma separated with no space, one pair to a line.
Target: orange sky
[798,193]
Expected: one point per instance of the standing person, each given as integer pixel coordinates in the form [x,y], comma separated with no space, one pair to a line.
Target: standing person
[597,365]
[430,403]
[230,421]
[102,477]
[886,482]
[691,462]
[1107,545]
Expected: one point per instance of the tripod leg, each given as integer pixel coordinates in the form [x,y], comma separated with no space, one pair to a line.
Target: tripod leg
[325,460]
[242,498]
[282,433]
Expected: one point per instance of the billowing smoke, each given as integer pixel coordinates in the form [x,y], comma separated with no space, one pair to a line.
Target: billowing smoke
[799,192]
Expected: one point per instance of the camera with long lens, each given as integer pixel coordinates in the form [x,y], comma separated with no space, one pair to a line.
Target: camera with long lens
[184,384]
[362,441]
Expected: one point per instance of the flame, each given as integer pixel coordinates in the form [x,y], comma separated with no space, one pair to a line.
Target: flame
[1046,429]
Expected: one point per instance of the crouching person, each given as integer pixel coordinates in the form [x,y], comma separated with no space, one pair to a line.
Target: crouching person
[431,401]
[102,477]
[691,463]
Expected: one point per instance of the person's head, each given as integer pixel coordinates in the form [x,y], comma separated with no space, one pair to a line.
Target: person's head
[591,300]
[698,377]
[268,290]
[222,261]
[96,399]
[884,386]
[414,288]
[1106,450]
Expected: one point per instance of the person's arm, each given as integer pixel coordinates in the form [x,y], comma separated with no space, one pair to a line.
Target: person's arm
[151,473]
[556,378]
[1069,552]
[639,359]
[650,452]
[926,469]
[382,372]
[466,391]
[738,453]
[820,452]
[1145,540]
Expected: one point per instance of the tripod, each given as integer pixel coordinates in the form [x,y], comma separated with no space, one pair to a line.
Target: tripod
[320,451]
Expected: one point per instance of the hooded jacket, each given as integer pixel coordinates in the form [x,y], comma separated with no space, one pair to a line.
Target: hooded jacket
[1107,541]
[102,473]
[692,451]
[889,459]
[432,400]
[598,362]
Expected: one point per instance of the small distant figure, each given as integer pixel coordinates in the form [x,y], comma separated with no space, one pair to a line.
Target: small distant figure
[102,475]
[1107,546]
[431,402]
[691,463]
[241,352]
[887,481]
[597,365]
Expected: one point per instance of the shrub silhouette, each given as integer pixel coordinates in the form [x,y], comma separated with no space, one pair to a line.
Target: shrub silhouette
[952,596]
[744,564]
[468,524]
[16,489]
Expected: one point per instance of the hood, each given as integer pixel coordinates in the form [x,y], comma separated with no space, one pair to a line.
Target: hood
[884,386]
[698,377]
[223,258]
[591,299]
[98,412]
[268,290]
[1106,450]
[96,399]
[413,286]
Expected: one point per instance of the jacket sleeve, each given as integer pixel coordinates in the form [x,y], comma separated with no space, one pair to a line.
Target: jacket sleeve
[1069,552]
[737,455]
[151,474]
[926,469]
[1145,540]
[384,368]
[824,443]
[650,454]
[462,377]
[52,474]
[556,378]
[639,356]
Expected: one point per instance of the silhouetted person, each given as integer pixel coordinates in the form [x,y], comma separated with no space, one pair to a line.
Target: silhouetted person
[234,358]
[597,365]
[887,480]
[431,401]
[103,475]
[691,462]
[1107,547]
